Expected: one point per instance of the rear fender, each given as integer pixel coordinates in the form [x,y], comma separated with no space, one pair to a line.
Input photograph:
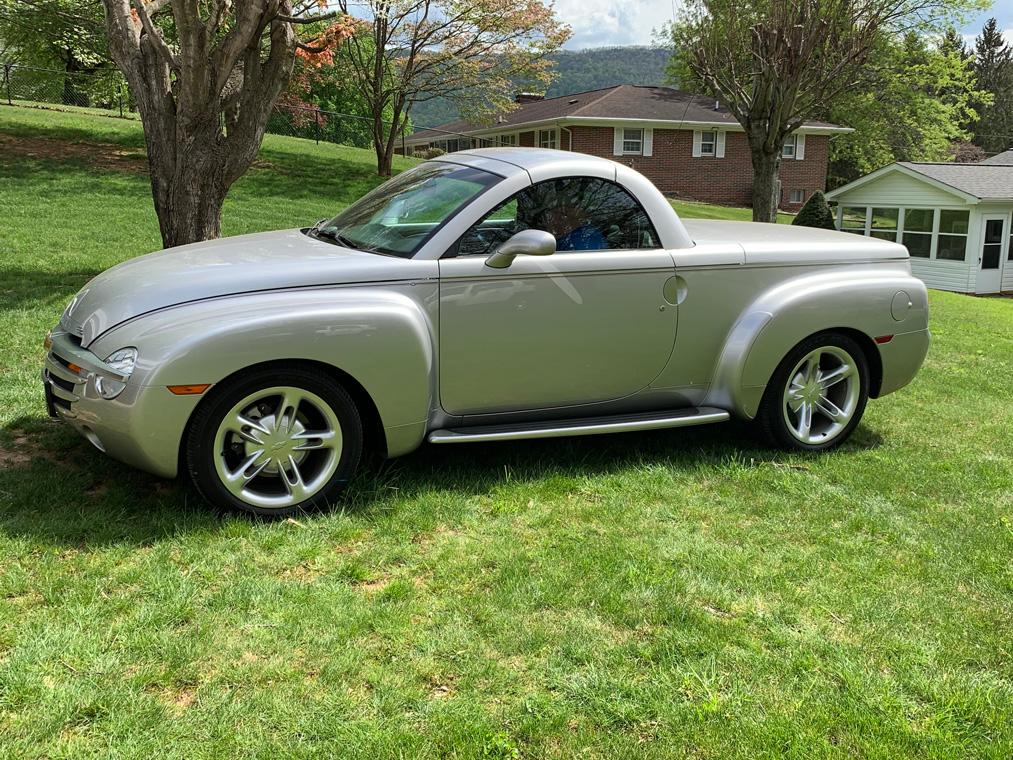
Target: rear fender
[859,300]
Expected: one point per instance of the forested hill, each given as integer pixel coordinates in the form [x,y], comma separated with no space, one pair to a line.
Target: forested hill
[577,71]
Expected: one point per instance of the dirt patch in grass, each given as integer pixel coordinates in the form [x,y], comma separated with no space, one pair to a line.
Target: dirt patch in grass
[105,156]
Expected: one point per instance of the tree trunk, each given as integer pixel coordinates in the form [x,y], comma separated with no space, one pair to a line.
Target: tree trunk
[766,165]
[384,159]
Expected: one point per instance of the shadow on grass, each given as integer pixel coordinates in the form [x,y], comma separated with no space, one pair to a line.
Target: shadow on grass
[20,287]
[56,488]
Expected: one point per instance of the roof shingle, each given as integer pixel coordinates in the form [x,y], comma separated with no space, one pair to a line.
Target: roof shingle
[625,101]
[984,181]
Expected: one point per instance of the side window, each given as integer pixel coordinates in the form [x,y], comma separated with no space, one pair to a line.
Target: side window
[582,213]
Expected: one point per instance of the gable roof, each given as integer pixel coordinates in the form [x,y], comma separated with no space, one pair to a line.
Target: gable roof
[621,102]
[1000,159]
[972,182]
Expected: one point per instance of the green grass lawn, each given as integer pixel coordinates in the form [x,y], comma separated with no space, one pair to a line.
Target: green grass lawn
[672,594]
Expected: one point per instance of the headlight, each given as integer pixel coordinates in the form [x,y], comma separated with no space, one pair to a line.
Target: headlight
[122,360]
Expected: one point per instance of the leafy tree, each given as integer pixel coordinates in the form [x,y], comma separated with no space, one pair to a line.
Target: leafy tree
[205,77]
[320,82]
[993,65]
[815,213]
[778,63]
[67,34]
[913,102]
[470,51]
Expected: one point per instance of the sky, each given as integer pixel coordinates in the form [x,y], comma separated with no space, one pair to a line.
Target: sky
[597,23]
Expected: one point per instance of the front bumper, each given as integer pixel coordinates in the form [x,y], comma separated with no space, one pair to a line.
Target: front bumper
[143,426]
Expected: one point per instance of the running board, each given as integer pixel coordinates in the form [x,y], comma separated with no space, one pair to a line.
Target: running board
[620,423]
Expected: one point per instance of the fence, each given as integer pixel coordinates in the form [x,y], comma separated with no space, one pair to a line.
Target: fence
[107,90]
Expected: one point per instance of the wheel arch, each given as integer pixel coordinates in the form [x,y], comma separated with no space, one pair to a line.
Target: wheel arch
[374,436]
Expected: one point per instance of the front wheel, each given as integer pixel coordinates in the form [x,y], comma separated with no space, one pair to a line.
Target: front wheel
[817,395]
[275,442]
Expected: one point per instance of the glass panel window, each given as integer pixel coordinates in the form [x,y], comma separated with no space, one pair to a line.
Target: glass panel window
[918,219]
[633,141]
[884,223]
[708,143]
[918,244]
[991,249]
[546,138]
[952,244]
[796,196]
[508,139]
[789,147]
[953,222]
[582,213]
[853,219]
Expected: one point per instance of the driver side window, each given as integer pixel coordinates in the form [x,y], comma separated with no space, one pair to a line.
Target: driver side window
[582,213]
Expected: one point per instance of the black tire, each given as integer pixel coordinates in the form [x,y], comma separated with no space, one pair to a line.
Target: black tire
[771,416]
[202,457]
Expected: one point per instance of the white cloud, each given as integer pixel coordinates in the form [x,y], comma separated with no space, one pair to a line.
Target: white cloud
[597,23]
[1007,34]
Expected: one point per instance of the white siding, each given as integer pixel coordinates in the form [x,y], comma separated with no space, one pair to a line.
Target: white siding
[897,189]
[943,275]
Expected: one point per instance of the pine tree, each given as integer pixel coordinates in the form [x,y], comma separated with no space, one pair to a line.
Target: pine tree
[815,213]
[993,66]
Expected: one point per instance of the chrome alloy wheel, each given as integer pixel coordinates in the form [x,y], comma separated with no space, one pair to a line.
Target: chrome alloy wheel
[277,447]
[822,395]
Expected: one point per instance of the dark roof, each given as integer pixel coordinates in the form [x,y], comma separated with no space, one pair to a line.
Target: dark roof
[1001,159]
[624,101]
[984,181]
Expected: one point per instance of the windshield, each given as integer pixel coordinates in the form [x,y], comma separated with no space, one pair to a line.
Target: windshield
[401,214]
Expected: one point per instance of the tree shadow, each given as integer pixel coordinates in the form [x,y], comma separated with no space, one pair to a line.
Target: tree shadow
[21,286]
[56,488]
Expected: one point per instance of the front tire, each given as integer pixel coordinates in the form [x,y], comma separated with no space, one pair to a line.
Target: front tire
[274,443]
[817,395]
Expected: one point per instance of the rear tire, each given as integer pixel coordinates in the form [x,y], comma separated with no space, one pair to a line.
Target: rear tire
[274,442]
[817,395]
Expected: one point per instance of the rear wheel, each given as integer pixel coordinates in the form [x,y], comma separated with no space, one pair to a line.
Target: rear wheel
[275,443]
[817,394]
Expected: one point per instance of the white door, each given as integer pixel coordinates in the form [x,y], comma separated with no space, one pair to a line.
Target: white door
[990,260]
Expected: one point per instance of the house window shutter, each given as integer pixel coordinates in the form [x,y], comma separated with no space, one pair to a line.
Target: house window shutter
[697,137]
[719,149]
[648,142]
[800,148]
[617,141]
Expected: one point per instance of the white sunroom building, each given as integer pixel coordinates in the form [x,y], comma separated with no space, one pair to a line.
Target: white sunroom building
[955,219]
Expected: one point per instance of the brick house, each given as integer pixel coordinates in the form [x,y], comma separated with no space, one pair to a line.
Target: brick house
[688,145]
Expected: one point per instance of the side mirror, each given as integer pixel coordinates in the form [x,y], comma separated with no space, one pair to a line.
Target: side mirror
[524,243]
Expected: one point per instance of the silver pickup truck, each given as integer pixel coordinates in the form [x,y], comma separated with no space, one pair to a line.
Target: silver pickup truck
[489,295]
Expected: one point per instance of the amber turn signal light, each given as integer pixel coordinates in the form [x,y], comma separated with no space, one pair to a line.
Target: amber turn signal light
[188,390]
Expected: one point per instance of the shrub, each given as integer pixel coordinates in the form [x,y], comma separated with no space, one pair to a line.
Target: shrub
[434,152]
[815,213]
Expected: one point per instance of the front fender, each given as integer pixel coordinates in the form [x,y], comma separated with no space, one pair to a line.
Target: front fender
[380,337]
[861,299]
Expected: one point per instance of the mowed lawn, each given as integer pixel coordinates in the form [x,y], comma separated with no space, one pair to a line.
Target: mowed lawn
[673,594]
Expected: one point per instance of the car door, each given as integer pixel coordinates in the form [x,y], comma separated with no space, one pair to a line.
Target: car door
[587,324]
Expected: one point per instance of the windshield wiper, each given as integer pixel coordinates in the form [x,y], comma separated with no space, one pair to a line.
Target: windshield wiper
[327,234]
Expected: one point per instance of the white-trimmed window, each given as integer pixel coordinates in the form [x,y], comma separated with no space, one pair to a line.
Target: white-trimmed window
[796,196]
[708,143]
[884,223]
[633,142]
[790,147]
[917,235]
[952,243]
[509,139]
[547,138]
[927,233]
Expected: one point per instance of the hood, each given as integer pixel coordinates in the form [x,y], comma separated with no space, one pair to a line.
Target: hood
[791,244]
[243,264]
